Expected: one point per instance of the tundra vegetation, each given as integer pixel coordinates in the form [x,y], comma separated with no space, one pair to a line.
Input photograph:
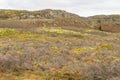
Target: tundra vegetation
[54,53]
[57,45]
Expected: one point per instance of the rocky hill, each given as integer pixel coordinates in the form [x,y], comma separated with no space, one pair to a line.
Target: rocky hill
[41,14]
[55,18]
[47,17]
[110,23]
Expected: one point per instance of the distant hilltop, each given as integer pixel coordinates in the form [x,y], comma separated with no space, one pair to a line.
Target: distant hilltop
[61,18]
[41,14]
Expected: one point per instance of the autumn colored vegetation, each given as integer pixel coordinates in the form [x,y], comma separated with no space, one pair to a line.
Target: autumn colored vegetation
[48,53]
[57,45]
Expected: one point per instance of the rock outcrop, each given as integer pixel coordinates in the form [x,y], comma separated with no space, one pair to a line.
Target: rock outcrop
[110,23]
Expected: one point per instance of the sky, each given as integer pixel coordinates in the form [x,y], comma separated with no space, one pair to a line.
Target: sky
[80,7]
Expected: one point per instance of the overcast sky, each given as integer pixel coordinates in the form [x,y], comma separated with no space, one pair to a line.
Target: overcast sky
[81,7]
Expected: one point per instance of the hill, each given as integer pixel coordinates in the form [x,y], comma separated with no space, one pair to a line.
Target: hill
[47,17]
[41,14]
[58,45]
[55,18]
[110,23]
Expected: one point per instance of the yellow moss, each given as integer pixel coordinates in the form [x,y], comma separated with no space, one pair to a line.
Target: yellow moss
[13,33]
[21,36]
[77,50]
[53,48]
[116,58]
[97,60]
[7,32]
[106,46]
[1,45]
[57,30]
[94,48]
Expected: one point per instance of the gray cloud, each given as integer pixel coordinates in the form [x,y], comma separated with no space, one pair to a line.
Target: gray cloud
[81,7]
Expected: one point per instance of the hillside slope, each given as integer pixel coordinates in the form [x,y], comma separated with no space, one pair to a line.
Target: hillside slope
[59,54]
[57,45]
[55,18]
[47,17]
